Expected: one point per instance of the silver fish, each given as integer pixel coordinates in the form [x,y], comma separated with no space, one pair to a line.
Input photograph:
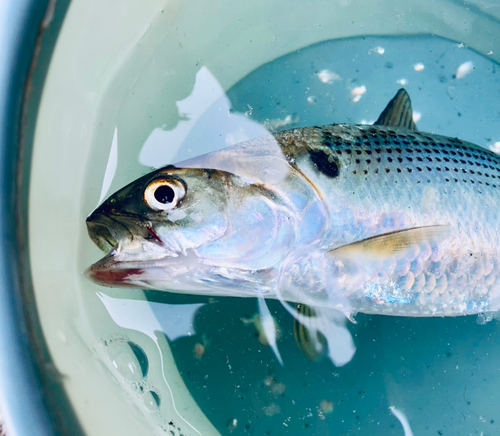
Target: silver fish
[380,219]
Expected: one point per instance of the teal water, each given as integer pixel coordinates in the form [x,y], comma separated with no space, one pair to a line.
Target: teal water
[443,374]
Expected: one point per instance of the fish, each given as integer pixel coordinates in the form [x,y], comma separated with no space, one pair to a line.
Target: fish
[380,219]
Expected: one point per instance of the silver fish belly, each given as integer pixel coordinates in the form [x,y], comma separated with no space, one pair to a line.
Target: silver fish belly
[379,219]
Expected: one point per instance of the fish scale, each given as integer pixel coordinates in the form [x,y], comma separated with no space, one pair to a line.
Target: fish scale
[390,179]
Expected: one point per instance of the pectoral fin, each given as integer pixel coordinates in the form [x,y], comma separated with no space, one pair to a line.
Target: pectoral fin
[398,113]
[391,244]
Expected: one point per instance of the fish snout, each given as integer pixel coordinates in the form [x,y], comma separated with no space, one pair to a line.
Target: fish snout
[105,231]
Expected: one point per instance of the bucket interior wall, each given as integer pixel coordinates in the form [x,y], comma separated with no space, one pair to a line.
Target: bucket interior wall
[118,73]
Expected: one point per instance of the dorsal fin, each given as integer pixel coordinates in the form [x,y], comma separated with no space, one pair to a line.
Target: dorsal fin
[398,112]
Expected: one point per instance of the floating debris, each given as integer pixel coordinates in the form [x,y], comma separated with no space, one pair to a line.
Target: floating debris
[327,76]
[402,82]
[232,424]
[276,389]
[357,93]
[271,410]
[416,116]
[326,406]
[199,350]
[379,50]
[269,380]
[279,123]
[201,347]
[419,66]
[312,100]
[464,70]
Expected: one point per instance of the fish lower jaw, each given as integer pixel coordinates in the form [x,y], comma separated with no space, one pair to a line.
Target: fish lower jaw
[112,277]
[182,273]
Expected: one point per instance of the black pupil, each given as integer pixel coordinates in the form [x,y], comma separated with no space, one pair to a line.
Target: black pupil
[164,194]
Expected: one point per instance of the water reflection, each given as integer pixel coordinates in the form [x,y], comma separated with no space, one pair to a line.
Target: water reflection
[155,320]
[175,321]
[226,127]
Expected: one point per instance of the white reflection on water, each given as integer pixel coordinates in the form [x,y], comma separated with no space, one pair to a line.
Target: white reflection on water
[225,127]
[111,166]
[175,320]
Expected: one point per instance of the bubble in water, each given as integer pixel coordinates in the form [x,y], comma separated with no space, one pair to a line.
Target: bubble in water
[141,357]
[151,400]
[128,359]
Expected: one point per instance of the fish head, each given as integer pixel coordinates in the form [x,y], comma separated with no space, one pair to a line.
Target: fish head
[175,208]
[155,219]
[186,230]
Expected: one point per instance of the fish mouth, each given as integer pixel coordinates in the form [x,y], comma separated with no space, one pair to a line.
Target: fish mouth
[135,252]
[106,232]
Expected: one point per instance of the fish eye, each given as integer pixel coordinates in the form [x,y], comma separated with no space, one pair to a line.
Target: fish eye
[164,194]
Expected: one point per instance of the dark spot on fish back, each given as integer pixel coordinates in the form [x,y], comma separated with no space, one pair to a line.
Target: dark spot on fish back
[327,163]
